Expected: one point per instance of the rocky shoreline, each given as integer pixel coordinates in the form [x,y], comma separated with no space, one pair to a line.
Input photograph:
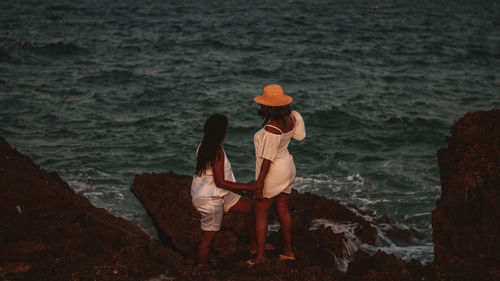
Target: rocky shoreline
[322,252]
[48,232]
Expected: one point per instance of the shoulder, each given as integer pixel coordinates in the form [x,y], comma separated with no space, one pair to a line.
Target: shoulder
[273,127]
[296,114]
[272,130]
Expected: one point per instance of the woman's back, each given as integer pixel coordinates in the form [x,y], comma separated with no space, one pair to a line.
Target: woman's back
[204,184]
[272,137]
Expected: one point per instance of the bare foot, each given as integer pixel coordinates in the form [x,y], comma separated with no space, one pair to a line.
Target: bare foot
[201,267]
[288,254]
[287,258]
[254,261]
[267,247]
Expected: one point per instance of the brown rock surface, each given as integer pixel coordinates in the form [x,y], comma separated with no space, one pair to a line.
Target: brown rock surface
[382,266]
[320,252]
[48,232]
[466,222]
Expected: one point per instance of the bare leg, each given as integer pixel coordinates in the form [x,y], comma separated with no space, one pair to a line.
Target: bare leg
[206,241]
[286,222]
[261,210]
[245,206]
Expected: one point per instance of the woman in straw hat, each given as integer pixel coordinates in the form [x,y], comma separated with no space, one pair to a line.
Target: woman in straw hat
[275,166]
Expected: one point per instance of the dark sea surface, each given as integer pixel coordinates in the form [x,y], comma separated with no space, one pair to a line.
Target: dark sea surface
[99,91]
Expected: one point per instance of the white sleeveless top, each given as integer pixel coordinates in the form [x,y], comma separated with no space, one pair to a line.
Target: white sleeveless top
[204,185]
[274,147]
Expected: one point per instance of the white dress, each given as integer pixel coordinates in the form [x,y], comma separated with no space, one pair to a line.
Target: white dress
[274,147]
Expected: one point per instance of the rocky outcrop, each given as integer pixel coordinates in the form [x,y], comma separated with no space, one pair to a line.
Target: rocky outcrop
[48,232]
[327,236]
[466,222]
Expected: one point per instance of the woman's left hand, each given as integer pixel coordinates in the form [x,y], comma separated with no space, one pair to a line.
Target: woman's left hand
[255,185]
[258,194]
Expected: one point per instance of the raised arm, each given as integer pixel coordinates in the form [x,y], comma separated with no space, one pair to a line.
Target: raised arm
[300,128]
[220,182]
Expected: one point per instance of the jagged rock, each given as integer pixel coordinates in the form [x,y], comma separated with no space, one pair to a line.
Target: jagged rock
[466,222]
[48,232]
[320,251]
[167,199]
[382,266]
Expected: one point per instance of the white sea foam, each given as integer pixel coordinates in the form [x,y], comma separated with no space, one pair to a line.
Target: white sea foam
[357,213]
[356,178]
[372,202]
[309,184]
[336,227]
[93,194]
[423,253]
[351,241]
[92,173]
[96,191]
[273,226]
[417,215]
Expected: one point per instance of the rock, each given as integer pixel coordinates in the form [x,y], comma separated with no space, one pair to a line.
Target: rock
[321,252]
[382,266]
[167,199]
[48,232]
[466,222]
[307,207]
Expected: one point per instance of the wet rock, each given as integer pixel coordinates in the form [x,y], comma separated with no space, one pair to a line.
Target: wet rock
[307,207]
[48,232]
[466,222]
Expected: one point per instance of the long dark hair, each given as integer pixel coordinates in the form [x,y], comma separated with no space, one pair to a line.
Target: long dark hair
[278,113]
[214,133]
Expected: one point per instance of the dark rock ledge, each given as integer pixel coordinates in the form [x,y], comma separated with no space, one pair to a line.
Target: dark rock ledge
[47,232]
[466,221]
[321,252]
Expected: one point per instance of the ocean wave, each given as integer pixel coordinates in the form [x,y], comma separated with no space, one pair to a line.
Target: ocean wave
[261,71]
[407,246]
[60,7]
[4,55]
[378,89]
[334,117]
[367,201]
[110,77]
[56,49]
[351,241]
[356,179]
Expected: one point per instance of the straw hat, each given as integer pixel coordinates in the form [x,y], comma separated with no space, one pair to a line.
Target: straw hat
[273,95]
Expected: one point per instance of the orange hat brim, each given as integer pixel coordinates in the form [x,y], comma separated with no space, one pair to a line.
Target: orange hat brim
[281,101]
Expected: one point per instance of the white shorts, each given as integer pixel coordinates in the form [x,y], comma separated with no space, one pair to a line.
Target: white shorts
[212,209]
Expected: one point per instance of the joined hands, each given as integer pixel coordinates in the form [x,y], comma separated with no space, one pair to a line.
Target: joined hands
[257,192]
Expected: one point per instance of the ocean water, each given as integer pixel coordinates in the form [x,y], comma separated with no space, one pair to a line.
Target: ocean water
[99,91]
